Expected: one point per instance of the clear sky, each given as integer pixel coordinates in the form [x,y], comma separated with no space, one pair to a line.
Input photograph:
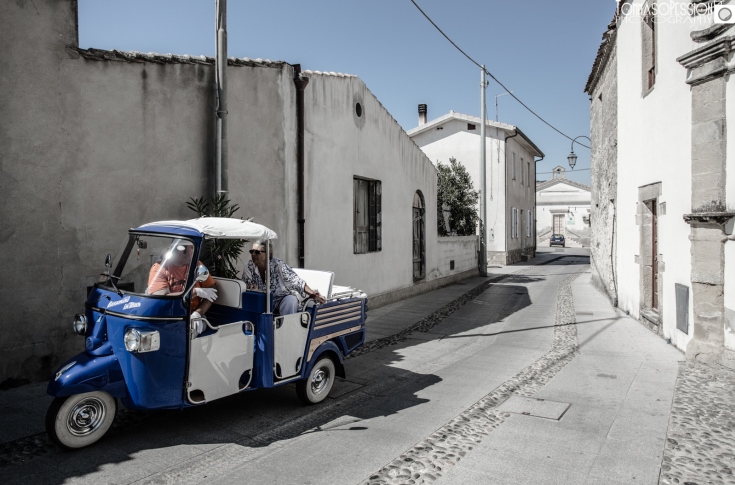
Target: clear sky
[542,50]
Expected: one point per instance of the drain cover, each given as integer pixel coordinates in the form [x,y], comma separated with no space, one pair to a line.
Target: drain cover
[530,406]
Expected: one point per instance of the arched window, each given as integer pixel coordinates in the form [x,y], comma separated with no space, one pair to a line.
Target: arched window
[419,243]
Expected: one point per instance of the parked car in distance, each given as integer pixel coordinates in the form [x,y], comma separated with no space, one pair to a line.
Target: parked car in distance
[557,240]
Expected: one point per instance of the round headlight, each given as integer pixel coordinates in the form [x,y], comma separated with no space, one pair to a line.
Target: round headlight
[132,340]
[80,324]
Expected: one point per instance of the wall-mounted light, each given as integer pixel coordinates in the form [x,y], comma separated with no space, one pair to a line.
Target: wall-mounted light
[572,157]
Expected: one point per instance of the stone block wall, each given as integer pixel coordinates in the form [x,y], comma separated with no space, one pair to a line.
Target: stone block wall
[604,176]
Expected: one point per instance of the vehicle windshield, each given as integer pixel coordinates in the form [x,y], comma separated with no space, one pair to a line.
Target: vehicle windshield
[153,265]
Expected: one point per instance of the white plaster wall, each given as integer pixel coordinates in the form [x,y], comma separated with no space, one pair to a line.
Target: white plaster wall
[454,140]
[654,145]
[338,148]
[461,249]
[730,147]
[729,291]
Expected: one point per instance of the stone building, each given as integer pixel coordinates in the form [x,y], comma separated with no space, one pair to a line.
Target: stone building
[94,142]
[663,207]
[562,207]
[510,176]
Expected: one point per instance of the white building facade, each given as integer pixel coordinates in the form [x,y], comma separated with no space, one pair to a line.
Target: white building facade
[510,177]
[663,204]
[563,207]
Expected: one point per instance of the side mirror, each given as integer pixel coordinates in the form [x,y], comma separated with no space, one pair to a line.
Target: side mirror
[202,273]
[142,244]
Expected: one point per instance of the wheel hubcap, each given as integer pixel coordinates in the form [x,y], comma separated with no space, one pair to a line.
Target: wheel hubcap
[86,416]
[320,380]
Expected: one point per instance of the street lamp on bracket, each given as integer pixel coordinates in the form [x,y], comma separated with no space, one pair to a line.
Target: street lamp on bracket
[572,158]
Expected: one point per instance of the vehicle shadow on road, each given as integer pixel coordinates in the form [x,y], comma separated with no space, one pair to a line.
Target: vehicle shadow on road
[142,444]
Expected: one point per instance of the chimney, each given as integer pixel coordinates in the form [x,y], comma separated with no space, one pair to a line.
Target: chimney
[422,114]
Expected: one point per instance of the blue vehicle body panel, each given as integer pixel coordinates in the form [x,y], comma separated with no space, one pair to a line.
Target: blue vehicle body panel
[90,373]
[157,379]
[154,380]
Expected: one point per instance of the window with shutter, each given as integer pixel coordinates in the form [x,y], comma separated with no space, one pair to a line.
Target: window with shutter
[367,215]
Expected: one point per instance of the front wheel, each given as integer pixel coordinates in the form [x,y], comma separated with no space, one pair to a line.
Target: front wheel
[315,388]
[77,421]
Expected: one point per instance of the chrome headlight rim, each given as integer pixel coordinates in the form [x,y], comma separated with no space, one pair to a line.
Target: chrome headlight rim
[132,340]
[80,324]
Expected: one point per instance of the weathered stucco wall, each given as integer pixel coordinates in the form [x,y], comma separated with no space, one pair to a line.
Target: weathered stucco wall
[91,148]
[34,160]
[93,143]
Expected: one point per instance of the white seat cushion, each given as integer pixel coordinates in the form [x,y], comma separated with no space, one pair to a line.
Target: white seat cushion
[229,292]
[317,280]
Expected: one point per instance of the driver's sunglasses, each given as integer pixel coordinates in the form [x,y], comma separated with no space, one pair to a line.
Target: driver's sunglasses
[256,252]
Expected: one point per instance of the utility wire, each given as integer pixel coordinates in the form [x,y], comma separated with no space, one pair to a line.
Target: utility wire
[496,79]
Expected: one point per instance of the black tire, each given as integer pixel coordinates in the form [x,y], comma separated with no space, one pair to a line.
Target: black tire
[77,421]
[315,388]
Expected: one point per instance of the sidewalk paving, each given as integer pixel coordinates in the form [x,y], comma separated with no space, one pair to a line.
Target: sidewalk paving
[621,426]
[619,387]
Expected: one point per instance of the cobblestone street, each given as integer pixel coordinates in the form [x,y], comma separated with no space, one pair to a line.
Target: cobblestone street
[700,443]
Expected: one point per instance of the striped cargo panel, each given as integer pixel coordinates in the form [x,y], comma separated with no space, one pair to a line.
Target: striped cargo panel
[328,317]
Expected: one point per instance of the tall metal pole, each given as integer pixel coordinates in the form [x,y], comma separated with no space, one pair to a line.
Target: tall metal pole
[220,65]
[482,257]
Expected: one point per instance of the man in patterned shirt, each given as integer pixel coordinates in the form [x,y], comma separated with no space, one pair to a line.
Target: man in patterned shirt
[287,288]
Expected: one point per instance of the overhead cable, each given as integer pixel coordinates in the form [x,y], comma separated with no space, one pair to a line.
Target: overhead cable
[494,78]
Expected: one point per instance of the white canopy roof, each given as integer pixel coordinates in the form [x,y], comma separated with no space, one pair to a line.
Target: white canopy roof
[223,227]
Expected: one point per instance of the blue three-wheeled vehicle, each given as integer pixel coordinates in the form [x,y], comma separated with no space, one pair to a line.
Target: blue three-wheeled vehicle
[145,351]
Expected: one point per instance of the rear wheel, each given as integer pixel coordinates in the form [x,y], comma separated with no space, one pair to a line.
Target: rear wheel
[315,388]
[77,421]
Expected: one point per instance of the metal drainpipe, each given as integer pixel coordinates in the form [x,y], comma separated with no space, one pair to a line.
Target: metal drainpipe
[221,166]
[612,259]
[301,83]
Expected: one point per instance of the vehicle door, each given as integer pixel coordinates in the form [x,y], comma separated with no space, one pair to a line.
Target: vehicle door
[221,357]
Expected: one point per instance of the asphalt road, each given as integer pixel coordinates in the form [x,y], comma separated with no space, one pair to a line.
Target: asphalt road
[395,400]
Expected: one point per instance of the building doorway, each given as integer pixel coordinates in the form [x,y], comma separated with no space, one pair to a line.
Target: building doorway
[652,207]
[559,225]
[419,244]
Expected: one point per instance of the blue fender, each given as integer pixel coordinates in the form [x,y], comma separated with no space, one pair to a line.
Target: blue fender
[330,348]
[87,374]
